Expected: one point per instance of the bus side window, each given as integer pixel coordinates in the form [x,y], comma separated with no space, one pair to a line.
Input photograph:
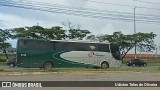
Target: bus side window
[79,47]
[53,45]
[103,47]
[43,45]
[91,47]
[25,42]
[60,46]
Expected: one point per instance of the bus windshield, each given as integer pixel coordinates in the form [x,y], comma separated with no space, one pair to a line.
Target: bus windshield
[115,51]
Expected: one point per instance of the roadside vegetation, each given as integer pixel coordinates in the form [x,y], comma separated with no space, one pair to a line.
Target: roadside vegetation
[123,69]
[143,41]
[3,58]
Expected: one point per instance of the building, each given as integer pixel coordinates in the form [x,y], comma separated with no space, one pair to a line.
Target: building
[145,56]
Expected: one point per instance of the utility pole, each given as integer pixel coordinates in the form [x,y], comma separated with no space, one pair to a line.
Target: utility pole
[156,52]
[135,29]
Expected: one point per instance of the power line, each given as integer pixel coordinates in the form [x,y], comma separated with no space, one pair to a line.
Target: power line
[147,2]
[122,5]
[70,10]
[113,18]
[57,10]
[64,11]
[79,8]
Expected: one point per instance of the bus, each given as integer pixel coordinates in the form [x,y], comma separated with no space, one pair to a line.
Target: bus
[37,53]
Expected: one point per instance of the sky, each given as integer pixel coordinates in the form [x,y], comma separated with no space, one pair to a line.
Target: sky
[13,17]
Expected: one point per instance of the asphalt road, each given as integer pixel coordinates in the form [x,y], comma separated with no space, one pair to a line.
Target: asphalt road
[136,76]
[125,76]
[19,68]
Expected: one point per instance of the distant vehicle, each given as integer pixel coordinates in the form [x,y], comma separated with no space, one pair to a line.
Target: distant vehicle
[59,53]
[11,62]
[136,62]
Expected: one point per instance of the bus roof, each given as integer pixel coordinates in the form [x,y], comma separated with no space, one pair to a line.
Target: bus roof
[80,41]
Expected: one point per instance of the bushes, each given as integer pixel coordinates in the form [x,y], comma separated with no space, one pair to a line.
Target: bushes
[2,60]
[3,57]
[124,61]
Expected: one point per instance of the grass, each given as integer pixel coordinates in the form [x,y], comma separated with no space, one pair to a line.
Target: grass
[122,69]
[152,67]
[86,70]
[2,63]
[153,64]
[2,60]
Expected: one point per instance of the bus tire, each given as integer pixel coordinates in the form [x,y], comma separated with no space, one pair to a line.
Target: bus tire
[12,65]
[47,65]
[104,65]
[133,65]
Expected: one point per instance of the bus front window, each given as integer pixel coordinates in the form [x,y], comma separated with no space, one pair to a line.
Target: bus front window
[115,51]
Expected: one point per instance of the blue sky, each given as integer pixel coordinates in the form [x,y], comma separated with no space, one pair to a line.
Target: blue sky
[11,17]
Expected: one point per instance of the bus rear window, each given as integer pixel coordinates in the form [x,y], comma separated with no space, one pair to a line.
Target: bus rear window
[103,47]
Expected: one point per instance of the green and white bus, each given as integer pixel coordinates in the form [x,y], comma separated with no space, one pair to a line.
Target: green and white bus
[37,53]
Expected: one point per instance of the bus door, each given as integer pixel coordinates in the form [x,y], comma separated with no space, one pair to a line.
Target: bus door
[35,58]
[38,52]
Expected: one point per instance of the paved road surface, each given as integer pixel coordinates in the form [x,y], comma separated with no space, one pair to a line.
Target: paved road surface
[137,76]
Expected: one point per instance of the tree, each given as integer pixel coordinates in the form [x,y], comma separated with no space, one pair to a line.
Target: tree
[144,41]
[4,35]
[38,32]
[34,32]
[92,38]
[127,42]
[99,38]
[75,32]
[56,33]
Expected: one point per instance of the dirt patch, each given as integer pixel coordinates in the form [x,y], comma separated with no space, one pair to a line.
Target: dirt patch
[24,73]
[78,72]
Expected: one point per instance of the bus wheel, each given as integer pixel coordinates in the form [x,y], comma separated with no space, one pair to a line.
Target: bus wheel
[12,65]
[47,65]
[104,65]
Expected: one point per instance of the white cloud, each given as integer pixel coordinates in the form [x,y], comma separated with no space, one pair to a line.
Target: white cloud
[109,5]
[45,1]
[14,17]
[80,3]
[13,21]
[108,29]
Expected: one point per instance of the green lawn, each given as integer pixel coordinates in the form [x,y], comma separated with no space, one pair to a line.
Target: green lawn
[153,64]
[152,67]
[2,63]
[87,70]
